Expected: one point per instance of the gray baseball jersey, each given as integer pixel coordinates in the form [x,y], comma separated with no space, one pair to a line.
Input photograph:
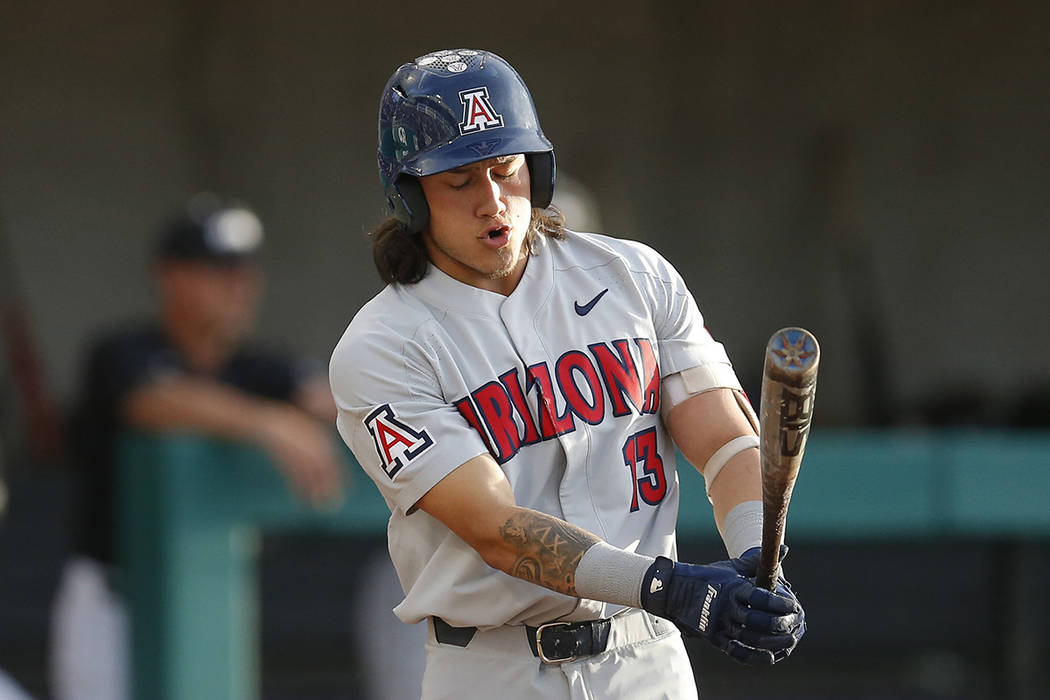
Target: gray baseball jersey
[559,382]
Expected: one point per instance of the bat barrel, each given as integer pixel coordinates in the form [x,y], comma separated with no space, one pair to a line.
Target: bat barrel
[789,380]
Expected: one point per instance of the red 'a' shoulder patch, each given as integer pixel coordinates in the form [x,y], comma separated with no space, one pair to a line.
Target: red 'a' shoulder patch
[397,443]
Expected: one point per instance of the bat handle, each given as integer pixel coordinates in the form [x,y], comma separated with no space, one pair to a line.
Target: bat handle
[769,559]
[768,568]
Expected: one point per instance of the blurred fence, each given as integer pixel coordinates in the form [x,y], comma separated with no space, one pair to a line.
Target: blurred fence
[192,518]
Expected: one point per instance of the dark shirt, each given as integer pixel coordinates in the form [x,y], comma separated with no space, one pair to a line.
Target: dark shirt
[116,365]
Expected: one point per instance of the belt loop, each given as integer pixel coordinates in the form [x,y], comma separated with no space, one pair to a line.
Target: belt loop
[456,636]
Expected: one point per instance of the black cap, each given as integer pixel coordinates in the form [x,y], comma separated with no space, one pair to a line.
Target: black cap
[208,231]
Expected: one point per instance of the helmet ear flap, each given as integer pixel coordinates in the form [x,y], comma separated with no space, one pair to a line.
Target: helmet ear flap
[409,203]
[542,173]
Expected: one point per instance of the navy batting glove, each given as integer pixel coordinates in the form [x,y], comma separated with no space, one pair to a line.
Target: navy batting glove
[720,602]
[747,565]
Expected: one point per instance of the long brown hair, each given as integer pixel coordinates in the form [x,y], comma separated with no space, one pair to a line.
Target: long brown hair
[401,257]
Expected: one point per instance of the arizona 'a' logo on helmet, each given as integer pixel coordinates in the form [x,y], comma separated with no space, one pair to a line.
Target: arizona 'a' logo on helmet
[478,113]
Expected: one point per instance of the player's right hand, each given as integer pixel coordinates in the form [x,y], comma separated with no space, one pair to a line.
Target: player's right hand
[720,603]
[303,450]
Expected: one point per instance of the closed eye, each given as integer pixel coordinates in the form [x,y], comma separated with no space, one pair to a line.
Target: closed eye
[510,173]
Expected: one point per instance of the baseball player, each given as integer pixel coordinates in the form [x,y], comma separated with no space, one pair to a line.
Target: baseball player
[517,393]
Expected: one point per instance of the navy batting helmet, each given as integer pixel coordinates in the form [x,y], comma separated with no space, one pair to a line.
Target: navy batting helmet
[452,108]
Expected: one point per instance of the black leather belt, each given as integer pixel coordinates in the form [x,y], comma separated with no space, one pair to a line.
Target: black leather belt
[552,643]
[558,642]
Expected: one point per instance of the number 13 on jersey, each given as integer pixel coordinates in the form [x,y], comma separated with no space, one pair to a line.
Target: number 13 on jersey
[640,455]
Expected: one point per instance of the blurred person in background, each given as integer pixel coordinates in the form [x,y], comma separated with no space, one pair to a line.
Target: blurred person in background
[189,369]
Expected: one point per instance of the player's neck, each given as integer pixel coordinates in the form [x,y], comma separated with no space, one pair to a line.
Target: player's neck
[503,281]
[506,284]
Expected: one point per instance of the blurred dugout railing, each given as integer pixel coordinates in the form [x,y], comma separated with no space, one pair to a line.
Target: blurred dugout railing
[192,511]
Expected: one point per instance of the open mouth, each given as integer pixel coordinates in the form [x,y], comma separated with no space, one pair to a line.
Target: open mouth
[496,237]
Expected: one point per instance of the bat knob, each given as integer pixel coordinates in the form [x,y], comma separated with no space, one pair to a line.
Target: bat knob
[793,350]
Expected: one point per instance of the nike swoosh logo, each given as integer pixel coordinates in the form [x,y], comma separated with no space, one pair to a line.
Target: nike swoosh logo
[586,308]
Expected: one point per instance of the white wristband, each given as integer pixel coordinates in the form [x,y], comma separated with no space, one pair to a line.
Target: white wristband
[612,575]
[742,528]
[725,453]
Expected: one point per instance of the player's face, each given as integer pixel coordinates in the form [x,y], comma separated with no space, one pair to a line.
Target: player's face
[479,215]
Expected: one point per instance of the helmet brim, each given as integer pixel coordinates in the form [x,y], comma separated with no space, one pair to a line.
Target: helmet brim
[465,151]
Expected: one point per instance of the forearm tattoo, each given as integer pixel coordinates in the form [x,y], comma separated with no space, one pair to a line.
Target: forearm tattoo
[548,549]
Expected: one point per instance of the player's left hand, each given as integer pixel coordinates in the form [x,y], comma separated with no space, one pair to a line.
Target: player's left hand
[748,563]
[721,603]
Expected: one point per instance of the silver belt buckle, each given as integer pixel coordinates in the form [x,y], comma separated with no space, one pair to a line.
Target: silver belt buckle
[539,643]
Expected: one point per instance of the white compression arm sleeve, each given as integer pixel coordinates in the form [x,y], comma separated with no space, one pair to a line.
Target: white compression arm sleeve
[742,528]
[612,575]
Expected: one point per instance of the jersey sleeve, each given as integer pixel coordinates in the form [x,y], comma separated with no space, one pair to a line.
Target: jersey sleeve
[683,338]
[393,414]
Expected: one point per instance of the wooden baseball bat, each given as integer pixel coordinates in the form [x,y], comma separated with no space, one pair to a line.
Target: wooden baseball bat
[789,383]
